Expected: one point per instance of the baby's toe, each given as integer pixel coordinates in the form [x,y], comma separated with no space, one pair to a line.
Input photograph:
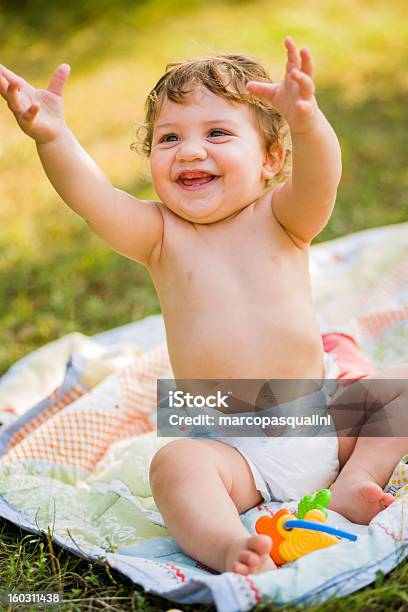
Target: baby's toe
[388,500]
[240,568]
[372,492]
[249,558]
[260,544]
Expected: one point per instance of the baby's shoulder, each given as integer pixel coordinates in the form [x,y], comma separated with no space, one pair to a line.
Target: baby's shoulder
[177,231]
[264,213]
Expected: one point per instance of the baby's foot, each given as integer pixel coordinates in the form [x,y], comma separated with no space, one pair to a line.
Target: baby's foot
[359,500]
[250,555]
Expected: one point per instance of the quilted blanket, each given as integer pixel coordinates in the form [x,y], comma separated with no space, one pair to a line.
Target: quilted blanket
[78,432]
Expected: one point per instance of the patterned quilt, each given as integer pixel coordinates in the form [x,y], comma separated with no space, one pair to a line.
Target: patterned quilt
[78,432]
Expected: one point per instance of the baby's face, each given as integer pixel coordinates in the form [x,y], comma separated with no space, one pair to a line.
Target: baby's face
[207,160]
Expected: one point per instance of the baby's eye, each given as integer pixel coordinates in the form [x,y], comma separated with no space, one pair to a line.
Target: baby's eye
[169,138]
[216,133]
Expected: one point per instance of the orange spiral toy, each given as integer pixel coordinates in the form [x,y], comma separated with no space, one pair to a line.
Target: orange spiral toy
[293,537]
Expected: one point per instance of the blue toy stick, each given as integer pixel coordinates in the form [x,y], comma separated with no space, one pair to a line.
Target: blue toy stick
[319,527]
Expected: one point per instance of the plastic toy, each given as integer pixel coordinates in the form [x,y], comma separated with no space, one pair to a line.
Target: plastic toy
[295,535]
[318,501]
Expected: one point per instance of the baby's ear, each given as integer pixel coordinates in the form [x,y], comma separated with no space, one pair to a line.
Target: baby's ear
[273,162]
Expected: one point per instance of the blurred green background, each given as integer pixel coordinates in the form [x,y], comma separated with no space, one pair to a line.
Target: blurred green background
[55,276]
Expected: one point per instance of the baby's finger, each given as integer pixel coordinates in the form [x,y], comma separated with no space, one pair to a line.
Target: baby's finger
[305,83]
[262,90]
[305,107]
[293,55]
[11,76]
[59,78]
[31,112]
[307,63]
[4,85]
[13,98]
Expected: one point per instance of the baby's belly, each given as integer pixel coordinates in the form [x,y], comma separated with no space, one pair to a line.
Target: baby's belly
[252,351]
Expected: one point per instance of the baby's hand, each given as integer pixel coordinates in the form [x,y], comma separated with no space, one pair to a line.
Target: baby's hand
[39,112]
[293,98]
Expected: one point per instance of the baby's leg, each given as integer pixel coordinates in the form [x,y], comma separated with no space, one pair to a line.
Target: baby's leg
[369,461]
[200,487]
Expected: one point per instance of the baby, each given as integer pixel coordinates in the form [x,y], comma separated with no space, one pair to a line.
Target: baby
[229,259]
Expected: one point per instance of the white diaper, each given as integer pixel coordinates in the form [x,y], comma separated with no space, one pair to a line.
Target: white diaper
[287,468]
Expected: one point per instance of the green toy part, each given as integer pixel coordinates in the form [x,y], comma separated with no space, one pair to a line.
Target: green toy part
[318,501]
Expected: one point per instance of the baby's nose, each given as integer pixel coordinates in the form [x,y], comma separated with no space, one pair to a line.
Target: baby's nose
[189,151]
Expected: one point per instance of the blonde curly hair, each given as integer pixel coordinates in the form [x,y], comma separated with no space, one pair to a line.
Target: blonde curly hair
[225,75]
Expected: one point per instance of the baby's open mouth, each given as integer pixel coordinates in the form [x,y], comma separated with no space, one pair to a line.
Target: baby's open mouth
[195,179]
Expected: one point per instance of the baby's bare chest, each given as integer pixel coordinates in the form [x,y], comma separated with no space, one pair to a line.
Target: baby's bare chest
[235,301]
[213,265]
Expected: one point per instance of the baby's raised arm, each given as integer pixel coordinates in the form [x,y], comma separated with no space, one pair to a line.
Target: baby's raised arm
[130,226]
[304,203]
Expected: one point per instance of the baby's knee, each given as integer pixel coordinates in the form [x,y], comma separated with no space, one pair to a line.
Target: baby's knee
[177,458]
[391,384]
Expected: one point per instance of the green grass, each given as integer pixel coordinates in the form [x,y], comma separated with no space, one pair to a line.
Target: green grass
[56,277]
[33,563]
